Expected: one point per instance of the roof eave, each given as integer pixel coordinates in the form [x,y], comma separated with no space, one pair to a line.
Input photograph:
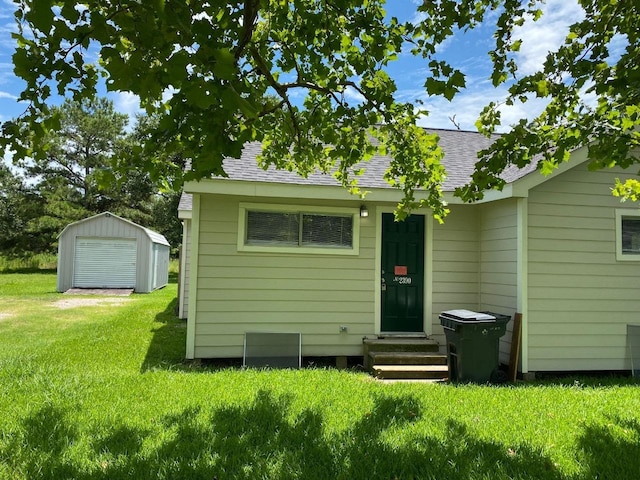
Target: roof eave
[286,190]
[522,186]
[223,186]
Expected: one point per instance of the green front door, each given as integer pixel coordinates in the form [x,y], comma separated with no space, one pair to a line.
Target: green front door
[402,274]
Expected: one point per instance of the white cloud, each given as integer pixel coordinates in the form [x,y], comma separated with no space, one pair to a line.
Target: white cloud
[617,46]
[352,94]
[168,94]
[127,103]
[538,38]
[7,158]
[7,43]
[547,34]
[465,108]
[7,7]
[464,112]
[7,26]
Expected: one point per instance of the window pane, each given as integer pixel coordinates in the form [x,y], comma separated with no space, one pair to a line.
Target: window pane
[631,235]
[327,230]
[268,228]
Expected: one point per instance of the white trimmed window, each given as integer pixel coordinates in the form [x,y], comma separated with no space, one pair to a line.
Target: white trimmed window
[298,229]
[628,234]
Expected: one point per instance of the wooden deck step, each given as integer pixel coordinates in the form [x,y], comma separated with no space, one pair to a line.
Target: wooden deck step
[413,380]
[403,344]
[407,358]
[411,371]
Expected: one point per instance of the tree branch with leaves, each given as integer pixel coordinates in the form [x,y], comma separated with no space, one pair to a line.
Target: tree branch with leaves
[217,75]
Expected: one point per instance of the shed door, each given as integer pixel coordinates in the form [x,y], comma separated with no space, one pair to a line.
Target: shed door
[104,263]
[402,274]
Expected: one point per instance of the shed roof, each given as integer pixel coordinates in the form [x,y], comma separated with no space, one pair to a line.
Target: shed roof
[460,156]
[155,237]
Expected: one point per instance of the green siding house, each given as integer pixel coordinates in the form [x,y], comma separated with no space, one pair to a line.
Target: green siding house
[270,251]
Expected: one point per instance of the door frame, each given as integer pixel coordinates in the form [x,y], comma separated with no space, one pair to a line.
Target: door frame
[427,321]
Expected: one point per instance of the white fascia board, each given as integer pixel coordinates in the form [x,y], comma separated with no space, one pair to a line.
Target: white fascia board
[316,192]
[488,196]
[185,214]
[266,189]
[277,190]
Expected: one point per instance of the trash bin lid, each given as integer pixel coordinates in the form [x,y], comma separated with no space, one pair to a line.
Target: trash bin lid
[469,315]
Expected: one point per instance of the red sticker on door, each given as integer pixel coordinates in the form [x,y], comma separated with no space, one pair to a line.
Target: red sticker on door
[400,270]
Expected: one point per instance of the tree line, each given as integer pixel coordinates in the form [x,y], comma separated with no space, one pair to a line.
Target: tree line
[87,168]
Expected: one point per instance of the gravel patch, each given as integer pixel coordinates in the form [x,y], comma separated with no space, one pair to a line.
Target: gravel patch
[113,292]
[66,303]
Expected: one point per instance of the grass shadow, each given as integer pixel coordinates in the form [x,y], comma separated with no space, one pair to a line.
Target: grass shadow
[268,439]
[611,450]
[167,347]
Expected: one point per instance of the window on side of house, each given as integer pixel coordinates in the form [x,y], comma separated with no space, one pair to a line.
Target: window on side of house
[322,230]
[328,230]
[272,228]
[628,235]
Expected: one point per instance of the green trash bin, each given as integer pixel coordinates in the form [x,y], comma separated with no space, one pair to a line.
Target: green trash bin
[472,345]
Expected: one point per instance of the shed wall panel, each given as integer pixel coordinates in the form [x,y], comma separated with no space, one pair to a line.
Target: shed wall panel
[160,269]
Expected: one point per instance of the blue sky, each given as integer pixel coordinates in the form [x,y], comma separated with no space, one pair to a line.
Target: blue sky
[468,52]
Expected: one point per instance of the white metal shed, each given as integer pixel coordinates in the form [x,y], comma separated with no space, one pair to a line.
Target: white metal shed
[107,251]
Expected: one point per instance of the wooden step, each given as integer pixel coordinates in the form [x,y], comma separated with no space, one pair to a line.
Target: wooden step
[396,344]
[400,344]
[413,380]
[411,371]
[407,358]
[430,381]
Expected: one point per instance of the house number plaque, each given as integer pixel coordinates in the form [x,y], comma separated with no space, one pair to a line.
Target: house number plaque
[402,280]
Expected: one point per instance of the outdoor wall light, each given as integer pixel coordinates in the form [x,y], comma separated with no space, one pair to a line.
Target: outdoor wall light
[363,211]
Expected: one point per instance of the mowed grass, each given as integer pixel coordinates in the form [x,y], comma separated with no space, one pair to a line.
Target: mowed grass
[102,392]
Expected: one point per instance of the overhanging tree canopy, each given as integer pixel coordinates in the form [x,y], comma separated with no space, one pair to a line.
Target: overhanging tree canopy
[218,74]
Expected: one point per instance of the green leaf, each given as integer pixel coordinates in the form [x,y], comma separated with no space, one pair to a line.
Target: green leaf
[247,108]
[224,66]
[435,87]
[457,79]
[542,88]
[22,65]
[283,77]
[41,15]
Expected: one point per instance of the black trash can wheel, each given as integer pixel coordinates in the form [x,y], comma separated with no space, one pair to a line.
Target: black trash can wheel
[498,377]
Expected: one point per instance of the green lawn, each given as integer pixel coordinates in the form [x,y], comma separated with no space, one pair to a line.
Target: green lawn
[102,392]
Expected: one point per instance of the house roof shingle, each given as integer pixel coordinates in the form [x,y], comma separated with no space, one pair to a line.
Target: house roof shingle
[460,156]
